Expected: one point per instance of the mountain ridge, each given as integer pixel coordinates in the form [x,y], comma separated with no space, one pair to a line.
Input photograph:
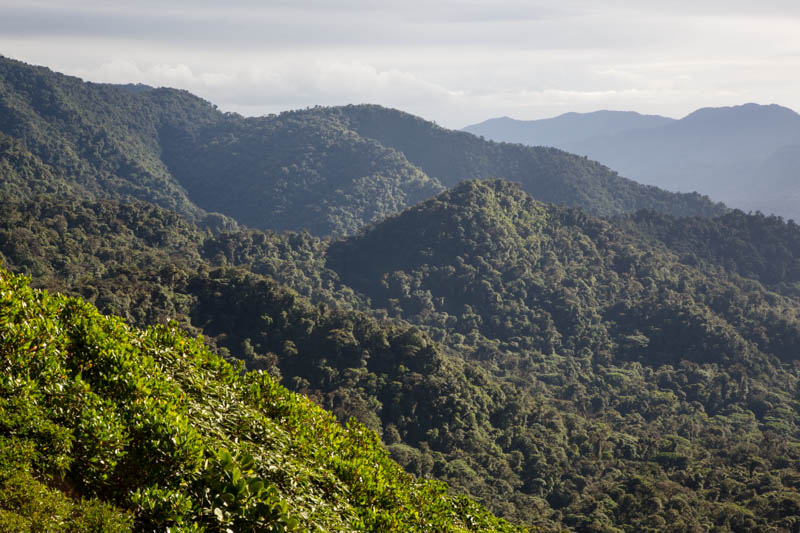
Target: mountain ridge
[563,128]
[327,170]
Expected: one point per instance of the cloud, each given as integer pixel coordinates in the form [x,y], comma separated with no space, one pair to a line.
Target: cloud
[456,61]
[280,84]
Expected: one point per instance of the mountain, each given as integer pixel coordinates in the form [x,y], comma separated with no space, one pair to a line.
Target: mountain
[547,174]
[178,151]
[637,373]
[744,155]
[326,170]
[109,428]
[616,327]
[299,170]
[774,187]
[564,129]
[532,271]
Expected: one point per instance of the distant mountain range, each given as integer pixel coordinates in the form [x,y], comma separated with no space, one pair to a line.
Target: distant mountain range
[326,170]
[747,156]
[568,128]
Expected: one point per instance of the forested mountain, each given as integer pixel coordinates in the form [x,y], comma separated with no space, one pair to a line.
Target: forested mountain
[760,247]
[547,174]
[584,312]
[564,129]
[567,371]
[631,373]
[487,259]
[299,170]
[326,170]
[746,156]
[98,139]
[109,428]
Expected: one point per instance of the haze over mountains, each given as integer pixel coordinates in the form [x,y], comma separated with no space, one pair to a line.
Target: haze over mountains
[568,128]
[746,156]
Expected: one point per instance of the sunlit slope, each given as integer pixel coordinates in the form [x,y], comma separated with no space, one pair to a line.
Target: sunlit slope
[109,427]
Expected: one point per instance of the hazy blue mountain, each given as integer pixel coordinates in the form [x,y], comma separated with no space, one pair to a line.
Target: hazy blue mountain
[566,128]
[741,155]
[775,185]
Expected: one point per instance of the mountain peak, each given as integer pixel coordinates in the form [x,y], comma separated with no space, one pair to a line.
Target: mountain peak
[472,219]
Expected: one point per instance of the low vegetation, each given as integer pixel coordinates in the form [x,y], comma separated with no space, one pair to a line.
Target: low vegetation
[106,427]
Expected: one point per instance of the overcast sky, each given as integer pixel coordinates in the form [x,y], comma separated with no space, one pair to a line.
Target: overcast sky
[456,62]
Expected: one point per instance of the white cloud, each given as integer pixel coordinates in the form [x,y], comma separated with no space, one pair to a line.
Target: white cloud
[455,61]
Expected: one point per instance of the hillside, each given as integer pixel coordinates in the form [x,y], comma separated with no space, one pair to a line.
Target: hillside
[744,156]
[297,171]
[99,139]
[565,371]
[636,345]
[547,174]
[531,271]
[326,170]
[149,265]
[759,247]
[109,428]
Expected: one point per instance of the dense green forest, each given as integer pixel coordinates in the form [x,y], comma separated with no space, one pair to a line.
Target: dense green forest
[548,174]
[755,246]
[329,171]
[109,428]
[566,371]
[637,372]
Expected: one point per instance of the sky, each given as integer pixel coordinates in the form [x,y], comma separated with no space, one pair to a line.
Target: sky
[455,62]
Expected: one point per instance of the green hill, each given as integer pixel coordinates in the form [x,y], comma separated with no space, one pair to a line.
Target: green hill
[99,139]
[537,271]
[630,340]
[109,428]
[326,170]
[565,371]
[296,171]
[178,151]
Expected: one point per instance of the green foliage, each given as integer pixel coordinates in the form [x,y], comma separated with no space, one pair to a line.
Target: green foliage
[552,357]
[110,427]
